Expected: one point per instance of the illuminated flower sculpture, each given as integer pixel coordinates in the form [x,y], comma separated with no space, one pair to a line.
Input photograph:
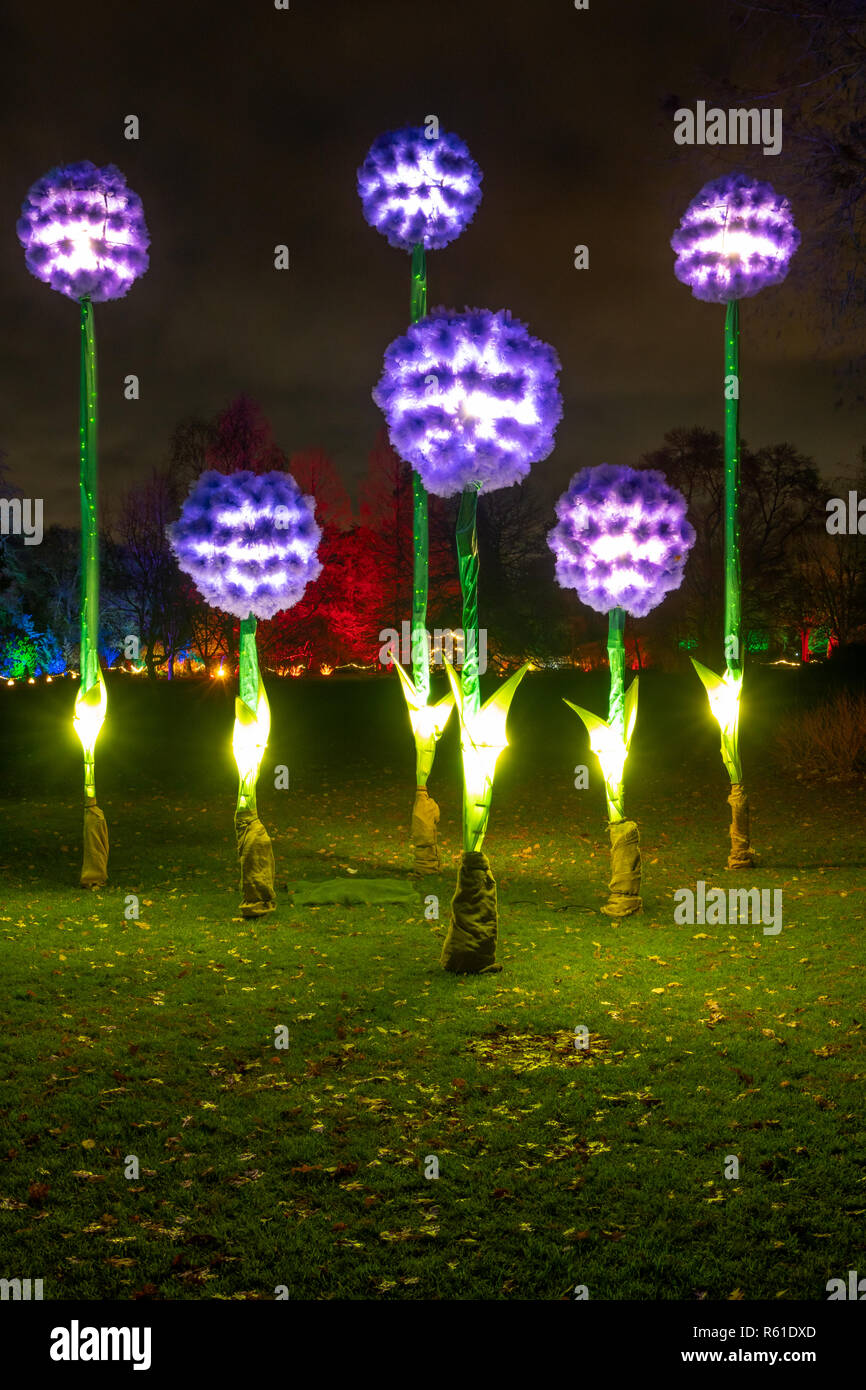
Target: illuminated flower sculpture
[420,187]
[249,543]
[472,401]
[84,235]
[736,237]
[621,542]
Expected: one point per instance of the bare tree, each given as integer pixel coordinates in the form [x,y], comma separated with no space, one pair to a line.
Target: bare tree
[828,573]
[156,596]
[242,440]
[816,53]
[189,449]
[780,498]
[316,476]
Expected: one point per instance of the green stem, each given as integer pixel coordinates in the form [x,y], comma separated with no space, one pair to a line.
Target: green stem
[732,488]
[420,654]
[420,529]
[248,684]
[616,660]
[418,301]
[467,562]
[88,486]
[733,592]
[616,699]
[249,664]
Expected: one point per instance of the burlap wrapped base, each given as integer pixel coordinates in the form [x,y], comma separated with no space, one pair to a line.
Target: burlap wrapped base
[94,865]
[742,856]
[425,841]
[470,946]
[257,865]
[625,870]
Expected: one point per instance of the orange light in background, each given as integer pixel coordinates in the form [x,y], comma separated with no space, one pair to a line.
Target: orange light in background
[326,670]
[296,670]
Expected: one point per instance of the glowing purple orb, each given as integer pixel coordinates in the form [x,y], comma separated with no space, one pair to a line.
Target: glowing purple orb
[736,237]
[470,398]
[622,538]
[248,541]
[414,189]
[83,232]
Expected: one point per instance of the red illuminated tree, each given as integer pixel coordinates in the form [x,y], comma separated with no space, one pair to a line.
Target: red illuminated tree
[242,440]
[317,477]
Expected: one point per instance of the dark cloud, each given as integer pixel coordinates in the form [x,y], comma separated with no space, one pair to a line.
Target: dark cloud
[253,122]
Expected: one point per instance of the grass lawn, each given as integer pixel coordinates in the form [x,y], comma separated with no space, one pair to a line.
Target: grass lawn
[305,1166]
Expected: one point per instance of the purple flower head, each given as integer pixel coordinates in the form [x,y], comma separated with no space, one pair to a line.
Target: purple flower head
[622,538]
[83,232]
[248,541]
[418,189]
[470,398]
[736,237]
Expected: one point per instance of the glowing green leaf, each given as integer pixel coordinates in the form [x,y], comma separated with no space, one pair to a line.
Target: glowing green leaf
[482,739]
[723,693]
[428,722]
[630,711]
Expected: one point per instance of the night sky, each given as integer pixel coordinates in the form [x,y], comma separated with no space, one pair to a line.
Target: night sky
[253,122]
